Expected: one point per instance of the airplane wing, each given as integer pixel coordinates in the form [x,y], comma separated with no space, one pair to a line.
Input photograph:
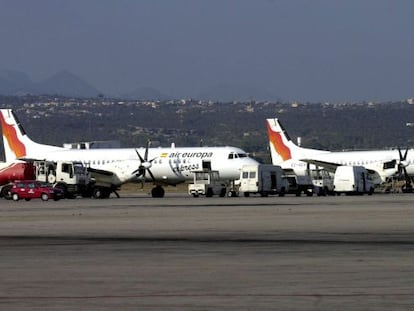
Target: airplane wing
[328,166]
[30,160]
[331,167]
[102,172]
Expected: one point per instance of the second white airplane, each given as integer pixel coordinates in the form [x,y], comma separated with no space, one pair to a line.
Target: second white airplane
[381,164]
[114,167]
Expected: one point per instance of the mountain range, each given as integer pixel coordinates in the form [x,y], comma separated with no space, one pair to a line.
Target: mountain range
[62,83]
[65,83]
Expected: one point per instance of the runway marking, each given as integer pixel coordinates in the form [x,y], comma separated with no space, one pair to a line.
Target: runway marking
[312,295]
[25,241]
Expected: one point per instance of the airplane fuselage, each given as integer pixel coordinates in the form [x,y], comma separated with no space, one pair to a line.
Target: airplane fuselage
[380,163]
[372,160]
[169,165]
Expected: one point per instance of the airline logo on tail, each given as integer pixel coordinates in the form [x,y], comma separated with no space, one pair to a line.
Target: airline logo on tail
[14,148]
[277,145]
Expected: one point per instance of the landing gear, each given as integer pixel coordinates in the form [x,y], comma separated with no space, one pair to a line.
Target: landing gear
[157,192]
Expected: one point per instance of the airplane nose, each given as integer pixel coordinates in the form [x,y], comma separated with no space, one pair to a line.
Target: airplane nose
[252,161]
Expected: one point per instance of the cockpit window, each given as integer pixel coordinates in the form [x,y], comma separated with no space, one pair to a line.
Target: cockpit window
[234,155]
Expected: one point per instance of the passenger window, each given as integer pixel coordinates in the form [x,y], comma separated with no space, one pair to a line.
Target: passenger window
[245,175]
[252,174]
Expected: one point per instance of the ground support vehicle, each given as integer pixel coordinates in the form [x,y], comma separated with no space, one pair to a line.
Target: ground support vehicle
[352,180]
[206,183]
[33,189]
[298,184]
[9,172]
[323,182]
[263,179]
[72,178]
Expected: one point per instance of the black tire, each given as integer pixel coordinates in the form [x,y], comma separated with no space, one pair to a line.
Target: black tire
[5,192]
[232,194]
[63,188]
[97,193]
[157,192]
[44,197]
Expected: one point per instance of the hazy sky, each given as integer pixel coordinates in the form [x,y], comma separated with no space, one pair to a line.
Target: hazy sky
[308,50]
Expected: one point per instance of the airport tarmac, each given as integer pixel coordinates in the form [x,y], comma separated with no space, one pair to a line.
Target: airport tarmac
[184,253]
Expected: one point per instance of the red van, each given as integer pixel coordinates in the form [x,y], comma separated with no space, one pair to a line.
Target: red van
[33,189]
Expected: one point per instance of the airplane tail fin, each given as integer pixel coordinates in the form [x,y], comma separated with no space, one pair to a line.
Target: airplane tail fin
[17,145]
[282,148]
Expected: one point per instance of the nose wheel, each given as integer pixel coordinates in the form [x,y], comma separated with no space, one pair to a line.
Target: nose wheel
[157,192]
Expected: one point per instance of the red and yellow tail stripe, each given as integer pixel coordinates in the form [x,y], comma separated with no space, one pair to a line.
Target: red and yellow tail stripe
[10,134]
[277,142]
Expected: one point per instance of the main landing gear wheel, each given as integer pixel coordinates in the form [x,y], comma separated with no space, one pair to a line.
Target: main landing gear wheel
[157,192]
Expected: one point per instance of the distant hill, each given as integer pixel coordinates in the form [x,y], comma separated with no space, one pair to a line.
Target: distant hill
[146,93]
[14,82]
[62,83]
[66,84]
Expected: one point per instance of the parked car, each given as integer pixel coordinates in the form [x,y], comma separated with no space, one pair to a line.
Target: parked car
[33,189]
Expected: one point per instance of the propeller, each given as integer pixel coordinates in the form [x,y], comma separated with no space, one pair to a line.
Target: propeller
[402,169]
[145,165]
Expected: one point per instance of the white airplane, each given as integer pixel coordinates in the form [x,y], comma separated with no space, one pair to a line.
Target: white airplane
[114,167]
[381,164]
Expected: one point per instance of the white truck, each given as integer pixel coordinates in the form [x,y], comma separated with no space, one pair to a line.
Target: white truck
[263,179]
[352,180]
[72,177]
[323,182]
[207,182]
